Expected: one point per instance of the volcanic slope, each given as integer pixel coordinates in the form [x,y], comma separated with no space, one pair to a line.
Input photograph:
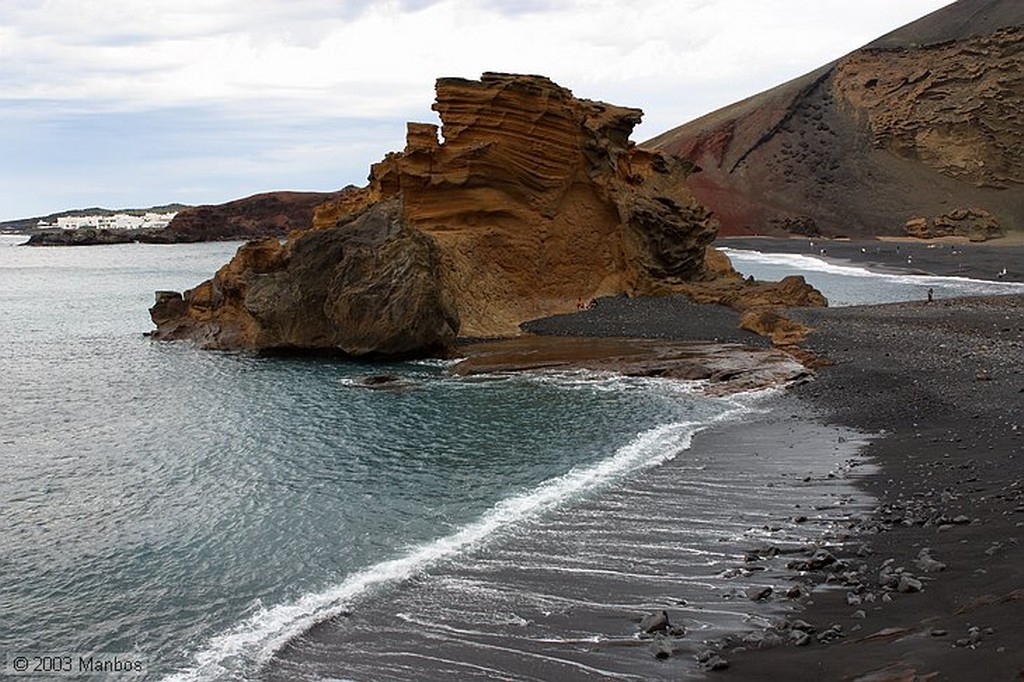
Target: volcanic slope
[925,122]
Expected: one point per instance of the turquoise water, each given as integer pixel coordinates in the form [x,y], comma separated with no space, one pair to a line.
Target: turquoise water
[194,509]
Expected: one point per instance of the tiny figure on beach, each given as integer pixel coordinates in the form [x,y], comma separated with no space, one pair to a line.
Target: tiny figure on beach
[931,292]
[579,304]
[1001,273]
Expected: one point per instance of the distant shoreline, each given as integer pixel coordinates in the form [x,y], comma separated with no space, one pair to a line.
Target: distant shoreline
[941,257]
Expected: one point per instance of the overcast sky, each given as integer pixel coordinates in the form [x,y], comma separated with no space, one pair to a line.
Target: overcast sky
[131,103]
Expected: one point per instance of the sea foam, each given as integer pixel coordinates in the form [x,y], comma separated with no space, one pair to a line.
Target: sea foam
[245,648]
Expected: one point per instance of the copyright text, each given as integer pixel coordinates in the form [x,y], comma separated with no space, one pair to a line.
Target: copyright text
[112,665]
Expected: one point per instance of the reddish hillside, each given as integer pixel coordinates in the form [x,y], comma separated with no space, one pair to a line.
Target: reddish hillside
[273,214]
[924,121]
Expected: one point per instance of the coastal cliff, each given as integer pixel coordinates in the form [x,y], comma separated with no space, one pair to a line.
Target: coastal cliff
[920,123]
[525,202]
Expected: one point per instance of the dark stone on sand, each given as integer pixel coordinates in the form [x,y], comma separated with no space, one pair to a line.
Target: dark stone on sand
[716,663]
[662,647]
[655,622]
[819,560]
[925,562]
[759,592]
[832,634]
[908,583]
[799,638]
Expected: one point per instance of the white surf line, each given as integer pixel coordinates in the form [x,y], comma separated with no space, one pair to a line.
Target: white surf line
[818,264]
[253,642]
[562,662]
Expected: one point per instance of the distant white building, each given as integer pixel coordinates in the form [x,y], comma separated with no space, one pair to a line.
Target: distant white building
[118,221]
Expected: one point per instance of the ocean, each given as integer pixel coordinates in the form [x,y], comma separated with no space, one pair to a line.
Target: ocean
[196,512]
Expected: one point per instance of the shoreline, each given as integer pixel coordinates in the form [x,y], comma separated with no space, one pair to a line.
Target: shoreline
[562,598]
[940,257]
[933,588]
[941,386]
[944,383]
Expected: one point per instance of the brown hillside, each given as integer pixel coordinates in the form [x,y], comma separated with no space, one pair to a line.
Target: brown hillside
[271,214]
[924,121]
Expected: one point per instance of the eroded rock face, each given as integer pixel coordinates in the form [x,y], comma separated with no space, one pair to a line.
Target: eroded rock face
[366,286]
[538,199]
[525,201]
[956,106]
[976,224]
[923,119]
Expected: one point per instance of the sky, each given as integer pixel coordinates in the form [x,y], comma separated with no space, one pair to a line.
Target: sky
[129,104]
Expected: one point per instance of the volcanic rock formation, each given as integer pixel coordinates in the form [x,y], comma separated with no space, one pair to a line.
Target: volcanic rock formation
[925,119]
[530,201]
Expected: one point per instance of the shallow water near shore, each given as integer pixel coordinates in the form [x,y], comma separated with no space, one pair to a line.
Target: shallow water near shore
[195,509]
[198,510]
[846,283]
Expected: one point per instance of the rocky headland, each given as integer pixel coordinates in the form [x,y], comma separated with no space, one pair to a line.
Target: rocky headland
[919,130]
[269,214]
[525,203]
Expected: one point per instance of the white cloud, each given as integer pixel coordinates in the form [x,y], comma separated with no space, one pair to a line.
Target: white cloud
[270,62]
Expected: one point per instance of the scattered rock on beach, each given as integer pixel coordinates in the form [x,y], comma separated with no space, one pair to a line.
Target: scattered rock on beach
[925,562]
[799,638]
[662,647]
[655,622]
[832,634]
[715,663]
[908,583]
[759,592]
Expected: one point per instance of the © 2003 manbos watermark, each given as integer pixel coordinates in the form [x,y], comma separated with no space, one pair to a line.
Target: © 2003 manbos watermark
[111,666]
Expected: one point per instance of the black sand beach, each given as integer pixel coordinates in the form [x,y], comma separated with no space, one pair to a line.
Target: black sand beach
[945,384]
[954,257]
[908,569]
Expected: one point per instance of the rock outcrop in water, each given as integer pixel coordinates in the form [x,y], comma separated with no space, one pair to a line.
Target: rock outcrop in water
[367,286]
[925,119]
[524,202]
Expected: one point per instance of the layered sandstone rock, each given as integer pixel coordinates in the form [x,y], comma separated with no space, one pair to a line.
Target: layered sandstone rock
[538,199]
[925,118]
[525,201]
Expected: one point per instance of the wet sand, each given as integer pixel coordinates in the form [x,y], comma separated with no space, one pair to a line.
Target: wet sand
[563,598]
[943,385]
[945,382]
